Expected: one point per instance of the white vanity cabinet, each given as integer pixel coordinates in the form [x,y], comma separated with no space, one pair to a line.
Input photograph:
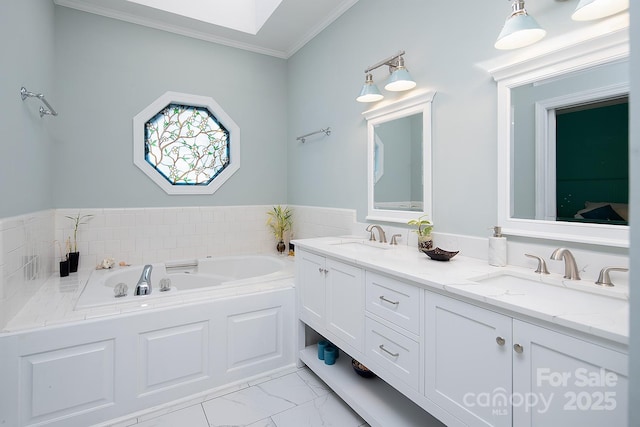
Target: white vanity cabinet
[331,297]
[583,383]
[441,357]
[467,357]
[491,369]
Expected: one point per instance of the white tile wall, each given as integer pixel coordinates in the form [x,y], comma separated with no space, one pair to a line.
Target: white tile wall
[147,235]
[26,259]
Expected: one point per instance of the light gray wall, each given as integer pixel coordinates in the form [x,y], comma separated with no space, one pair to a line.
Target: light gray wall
[109,70]
[634,200]
[443,44]
[27,32]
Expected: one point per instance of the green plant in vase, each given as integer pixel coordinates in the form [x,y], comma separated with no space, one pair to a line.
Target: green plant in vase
[280,221]
[423,230]
[74,255]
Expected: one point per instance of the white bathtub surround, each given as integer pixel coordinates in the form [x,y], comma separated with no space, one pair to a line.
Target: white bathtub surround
[151,356]
[26,259]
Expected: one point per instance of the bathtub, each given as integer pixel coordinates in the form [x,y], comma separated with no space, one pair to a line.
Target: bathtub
[224,322]
[184,277]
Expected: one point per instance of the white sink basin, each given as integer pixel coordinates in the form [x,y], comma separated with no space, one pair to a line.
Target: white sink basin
[361,245]
[563,294]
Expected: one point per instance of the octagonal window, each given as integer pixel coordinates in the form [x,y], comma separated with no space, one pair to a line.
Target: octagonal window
[187,144]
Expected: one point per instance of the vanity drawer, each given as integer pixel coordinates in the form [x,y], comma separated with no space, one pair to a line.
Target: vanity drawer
[395,301]
[393,351]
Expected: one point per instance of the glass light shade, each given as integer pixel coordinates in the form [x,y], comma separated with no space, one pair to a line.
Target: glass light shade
[519,30]
[400,80]
[369,92]
[588,10]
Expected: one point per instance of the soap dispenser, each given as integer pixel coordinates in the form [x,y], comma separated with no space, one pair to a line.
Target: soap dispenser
[497,248]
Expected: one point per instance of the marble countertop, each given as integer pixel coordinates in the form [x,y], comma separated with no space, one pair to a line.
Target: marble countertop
[578,305]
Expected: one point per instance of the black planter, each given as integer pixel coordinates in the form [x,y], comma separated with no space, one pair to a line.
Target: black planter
[74,258]
[64,268]
[280,246]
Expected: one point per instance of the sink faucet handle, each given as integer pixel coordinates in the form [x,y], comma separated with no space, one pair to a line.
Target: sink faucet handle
[394,239]
[372,237]
[604,279]
[542,265]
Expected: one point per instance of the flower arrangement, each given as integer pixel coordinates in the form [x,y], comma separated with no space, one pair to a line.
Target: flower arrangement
[280,220]
[77,221]
[424,226]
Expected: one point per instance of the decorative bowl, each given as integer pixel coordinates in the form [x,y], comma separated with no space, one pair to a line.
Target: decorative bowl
[361,370]
[440,254]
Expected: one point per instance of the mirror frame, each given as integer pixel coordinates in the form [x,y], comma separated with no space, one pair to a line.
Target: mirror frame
[554,59]
[420,103]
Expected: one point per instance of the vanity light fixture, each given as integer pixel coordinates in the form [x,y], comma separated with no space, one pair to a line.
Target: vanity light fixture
[399,79]
[520,29]
[588,10]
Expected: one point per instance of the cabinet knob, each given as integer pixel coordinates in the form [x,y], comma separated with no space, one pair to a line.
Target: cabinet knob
[323,270]
[500,340]
[518,348]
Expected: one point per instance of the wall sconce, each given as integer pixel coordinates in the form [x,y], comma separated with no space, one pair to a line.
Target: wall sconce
[399,79]
[588,10]
[519,29]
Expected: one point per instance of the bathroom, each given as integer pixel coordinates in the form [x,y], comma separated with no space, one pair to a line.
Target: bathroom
[99,72]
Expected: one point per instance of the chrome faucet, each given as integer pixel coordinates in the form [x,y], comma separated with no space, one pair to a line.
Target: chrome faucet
[570,266]
[383,237]
[144,283]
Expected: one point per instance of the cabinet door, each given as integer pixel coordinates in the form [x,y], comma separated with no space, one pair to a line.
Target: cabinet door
[345,302]
[310,278]
[468,361]
[559,380]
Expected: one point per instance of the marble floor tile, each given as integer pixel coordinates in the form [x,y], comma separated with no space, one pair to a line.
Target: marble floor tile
[324,411]
[316,384]
[244,407]
[268,422]
[192,416]
[290,388]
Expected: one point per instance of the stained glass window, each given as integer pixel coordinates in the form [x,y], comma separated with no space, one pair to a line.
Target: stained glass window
[186,143]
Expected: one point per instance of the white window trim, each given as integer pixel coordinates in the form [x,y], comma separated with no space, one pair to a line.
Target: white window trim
[190,100]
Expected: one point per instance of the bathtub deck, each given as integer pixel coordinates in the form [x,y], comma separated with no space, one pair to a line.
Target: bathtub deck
[54,302]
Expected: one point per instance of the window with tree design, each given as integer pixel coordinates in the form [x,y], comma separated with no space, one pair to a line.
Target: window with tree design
[187,144]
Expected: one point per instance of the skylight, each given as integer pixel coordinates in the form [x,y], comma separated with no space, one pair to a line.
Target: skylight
[247,16]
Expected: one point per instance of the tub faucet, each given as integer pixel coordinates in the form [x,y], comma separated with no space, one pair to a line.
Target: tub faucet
[144,283]
[383,237]
[570,267]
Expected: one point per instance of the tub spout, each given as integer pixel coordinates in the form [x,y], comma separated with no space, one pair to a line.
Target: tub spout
[144,283]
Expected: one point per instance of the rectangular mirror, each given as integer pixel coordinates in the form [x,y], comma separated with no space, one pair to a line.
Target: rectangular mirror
[563,142]
[399,159]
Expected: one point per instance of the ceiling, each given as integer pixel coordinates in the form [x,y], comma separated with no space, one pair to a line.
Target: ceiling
[291,25]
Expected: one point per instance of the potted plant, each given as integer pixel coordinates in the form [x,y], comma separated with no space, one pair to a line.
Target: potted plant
[74,255]
[423,230]
[280,220]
